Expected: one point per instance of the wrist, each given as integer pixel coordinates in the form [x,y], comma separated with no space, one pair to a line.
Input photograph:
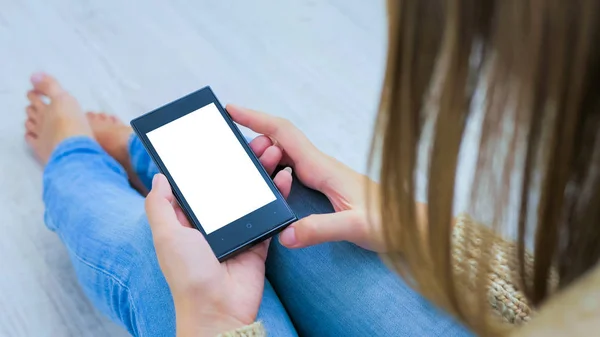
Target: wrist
[194,318]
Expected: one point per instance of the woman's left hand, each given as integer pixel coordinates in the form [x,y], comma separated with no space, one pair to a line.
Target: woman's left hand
[210,297]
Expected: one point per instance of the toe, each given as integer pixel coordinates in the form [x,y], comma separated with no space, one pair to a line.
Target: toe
[46,85]
[30,138]
[32,113]
[30,126]
[96,117]
[36,100]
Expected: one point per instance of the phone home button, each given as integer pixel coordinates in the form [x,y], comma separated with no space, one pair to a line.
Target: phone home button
[248,225]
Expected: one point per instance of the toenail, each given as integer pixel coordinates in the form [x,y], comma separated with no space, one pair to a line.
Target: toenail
[37,77]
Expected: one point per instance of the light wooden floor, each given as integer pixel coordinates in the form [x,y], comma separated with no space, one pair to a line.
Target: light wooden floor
[318,63]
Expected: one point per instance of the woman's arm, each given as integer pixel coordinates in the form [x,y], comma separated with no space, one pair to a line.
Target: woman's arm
[210,297]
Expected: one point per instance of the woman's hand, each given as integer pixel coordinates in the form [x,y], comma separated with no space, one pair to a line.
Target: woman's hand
[210,297]
[346,189]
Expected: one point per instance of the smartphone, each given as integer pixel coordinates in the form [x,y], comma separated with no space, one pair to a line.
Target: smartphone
[218,181]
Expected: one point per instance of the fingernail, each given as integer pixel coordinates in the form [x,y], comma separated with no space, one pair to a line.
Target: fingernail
[288,169]
[288,237]
[37,78]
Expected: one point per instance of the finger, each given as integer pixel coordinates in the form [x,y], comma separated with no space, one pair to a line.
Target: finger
[183,219]
[159,208]
[271,158]
[279,129]
[248,257]
[260,144]
[320,228]
[296,147]
[283,181]
[254,120]
[261,249]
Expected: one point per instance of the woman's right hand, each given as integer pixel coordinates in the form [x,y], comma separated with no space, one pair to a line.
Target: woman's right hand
[345,188]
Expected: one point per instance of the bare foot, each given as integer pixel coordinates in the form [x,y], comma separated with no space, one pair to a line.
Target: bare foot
[113,135]
[50,123]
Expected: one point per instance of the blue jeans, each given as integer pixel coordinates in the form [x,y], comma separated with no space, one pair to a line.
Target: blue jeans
[333,289]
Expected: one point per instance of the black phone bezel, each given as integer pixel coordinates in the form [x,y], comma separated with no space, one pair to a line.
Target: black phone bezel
[244,232]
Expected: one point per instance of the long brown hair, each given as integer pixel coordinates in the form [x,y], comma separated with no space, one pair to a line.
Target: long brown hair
[525,75]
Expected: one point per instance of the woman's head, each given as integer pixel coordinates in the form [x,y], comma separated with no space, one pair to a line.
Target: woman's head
[519,79]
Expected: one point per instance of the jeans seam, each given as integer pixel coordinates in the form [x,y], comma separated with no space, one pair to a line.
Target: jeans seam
[134,311]
[118,281]
[102,270]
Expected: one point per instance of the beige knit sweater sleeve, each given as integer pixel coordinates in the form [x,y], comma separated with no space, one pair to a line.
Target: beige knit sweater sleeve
[505,298]
[253,330]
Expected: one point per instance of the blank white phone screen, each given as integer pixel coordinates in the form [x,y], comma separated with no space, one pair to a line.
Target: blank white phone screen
[211,168]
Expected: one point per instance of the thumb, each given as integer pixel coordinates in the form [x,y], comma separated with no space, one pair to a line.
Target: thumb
[320,228]
[160,211]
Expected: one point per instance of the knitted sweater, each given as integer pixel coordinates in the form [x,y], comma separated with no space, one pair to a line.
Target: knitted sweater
[504,296]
